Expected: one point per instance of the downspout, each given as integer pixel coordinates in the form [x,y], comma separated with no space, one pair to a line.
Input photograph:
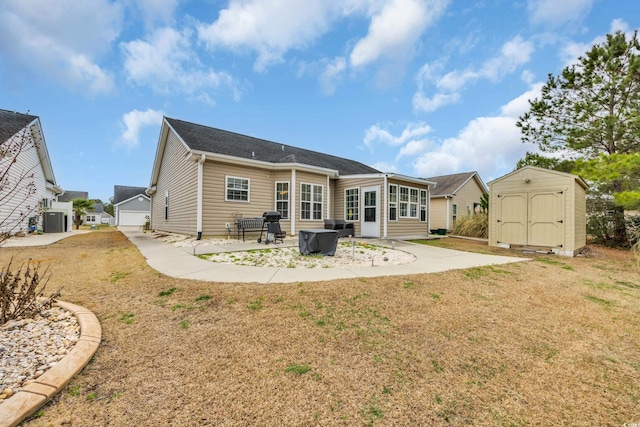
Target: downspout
[328,198]
[199,201]
[384,207]
[448,214]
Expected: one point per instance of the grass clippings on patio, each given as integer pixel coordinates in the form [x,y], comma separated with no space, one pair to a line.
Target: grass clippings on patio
[530,343]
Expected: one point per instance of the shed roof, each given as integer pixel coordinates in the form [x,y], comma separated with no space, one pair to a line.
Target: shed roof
[211,140]
[125,192]
[523,169]
[449,185]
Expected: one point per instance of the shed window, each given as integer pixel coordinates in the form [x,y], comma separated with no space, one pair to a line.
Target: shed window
[237,189]
[351,204]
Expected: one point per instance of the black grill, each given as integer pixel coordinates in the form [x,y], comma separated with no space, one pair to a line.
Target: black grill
[271,216]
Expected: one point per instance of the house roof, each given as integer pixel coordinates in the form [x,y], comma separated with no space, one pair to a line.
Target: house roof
[11,123]
[69,195]
[124,192]
[211,140]
[449,185]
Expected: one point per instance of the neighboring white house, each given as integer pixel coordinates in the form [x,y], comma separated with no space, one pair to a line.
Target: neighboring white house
[132,205]
[24,154]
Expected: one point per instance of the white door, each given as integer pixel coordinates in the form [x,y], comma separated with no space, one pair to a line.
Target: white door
[370,223]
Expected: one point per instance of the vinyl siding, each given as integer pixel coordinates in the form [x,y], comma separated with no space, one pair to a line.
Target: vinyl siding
[580,224]
[339,199]
[21,202]
[179,176]
[439,213]
[407,226]
[217,212]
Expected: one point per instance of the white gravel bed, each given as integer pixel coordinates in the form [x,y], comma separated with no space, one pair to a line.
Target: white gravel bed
[28,347]
[347,255]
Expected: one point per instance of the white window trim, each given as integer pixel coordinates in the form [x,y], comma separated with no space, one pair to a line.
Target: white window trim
[226,188]
[311,202]
[409,202]
[423,207]
[395,204]
[275,207]
[357,216]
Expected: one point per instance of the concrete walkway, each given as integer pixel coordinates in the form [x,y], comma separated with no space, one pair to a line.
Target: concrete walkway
[181,262]
[40,239]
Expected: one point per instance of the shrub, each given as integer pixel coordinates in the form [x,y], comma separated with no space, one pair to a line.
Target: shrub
[20,290]
[473,226]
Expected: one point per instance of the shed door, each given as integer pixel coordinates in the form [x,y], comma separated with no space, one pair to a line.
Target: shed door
[533,219]
[512,218]
[546,219]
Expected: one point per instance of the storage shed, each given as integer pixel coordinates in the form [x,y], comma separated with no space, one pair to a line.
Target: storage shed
[539,209]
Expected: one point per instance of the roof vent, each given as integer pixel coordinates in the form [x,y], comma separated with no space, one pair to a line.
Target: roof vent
[253,154]
[283,148]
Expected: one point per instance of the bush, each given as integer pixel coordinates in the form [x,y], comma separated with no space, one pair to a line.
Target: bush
[473,226]
[19,292]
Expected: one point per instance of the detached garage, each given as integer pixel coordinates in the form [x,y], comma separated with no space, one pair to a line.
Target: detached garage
[539,209]
[132,205]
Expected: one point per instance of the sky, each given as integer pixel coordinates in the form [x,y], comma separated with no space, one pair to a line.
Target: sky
[416,87]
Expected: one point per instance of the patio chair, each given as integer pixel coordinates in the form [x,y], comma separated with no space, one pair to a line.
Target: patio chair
[273,229]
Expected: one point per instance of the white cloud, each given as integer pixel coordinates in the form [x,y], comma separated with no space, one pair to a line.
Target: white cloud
[553,13]
[571,50]
[62,39]
[413,148]
[332,74]
[134,121]
[423,103]
[395,29]
[167,63]
[269,28]
[378,134]
[490,145]
[155,12]
[513,54]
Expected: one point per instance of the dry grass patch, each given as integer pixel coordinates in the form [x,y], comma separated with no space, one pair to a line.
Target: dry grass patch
[530,343]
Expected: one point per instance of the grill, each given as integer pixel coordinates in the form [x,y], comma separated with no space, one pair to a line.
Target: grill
[271,222]
[271,216]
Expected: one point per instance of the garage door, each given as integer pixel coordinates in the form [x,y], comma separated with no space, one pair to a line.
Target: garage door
[132,217]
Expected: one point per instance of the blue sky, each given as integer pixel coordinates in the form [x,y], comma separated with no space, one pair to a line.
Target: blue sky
[417,87]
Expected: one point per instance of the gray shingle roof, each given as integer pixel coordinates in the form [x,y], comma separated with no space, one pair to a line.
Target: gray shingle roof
[449,184]
[211,140]
[11,122]
[69,195]
[125,192]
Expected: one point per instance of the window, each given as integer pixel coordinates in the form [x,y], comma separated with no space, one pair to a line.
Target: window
[393,202]
[454,210]
[413,203]
[423,205]
[237,189]
[166,205]
[282,199]
[351,204]
[404,202]
[310,201]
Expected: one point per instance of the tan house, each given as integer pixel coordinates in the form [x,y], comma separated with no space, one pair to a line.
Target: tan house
[539,208]
[203,179]
[455,196]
